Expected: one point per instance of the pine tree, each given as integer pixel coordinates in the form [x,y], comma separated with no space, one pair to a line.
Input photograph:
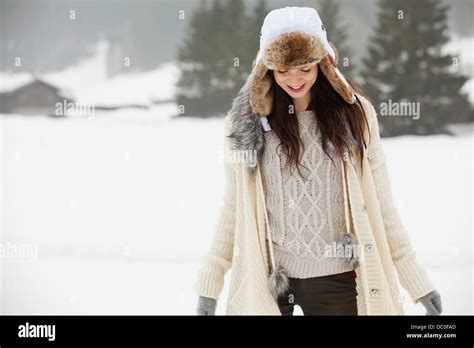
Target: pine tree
[253,25]
[337,34]
[406,67]
[233,57]
[216,57]
[194,57]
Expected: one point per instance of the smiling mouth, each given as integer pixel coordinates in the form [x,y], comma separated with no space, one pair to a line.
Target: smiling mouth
[297,89]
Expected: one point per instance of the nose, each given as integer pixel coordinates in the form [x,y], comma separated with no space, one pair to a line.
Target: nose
[295,76]
[295,81]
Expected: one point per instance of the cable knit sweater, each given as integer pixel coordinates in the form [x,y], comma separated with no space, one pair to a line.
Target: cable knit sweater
[306,214]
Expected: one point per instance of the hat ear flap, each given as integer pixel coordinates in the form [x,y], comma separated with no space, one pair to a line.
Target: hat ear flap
[261,91]
[336,79]
[334,60]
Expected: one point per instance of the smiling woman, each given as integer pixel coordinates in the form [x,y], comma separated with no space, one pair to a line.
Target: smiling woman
[297,82]
[275,223]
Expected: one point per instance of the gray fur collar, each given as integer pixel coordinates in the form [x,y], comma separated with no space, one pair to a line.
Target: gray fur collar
[247,131]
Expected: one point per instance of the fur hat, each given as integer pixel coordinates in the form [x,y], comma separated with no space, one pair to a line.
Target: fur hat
[293,37]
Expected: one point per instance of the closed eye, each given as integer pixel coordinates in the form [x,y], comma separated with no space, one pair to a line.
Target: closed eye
[303,70]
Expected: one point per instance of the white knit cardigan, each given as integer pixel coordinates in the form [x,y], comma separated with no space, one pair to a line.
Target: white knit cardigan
[388,258]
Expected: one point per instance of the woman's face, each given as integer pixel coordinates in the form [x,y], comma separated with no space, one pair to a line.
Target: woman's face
[297,82]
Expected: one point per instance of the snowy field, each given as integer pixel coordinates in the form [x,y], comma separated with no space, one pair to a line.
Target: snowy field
[122,208]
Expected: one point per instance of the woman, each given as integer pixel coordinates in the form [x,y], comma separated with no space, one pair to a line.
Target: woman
[308,217]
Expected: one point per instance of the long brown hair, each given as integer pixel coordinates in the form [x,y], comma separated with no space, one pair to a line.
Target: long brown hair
[340,123]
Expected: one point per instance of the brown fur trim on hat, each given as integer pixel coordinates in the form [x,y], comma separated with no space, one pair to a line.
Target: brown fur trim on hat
[344,90]
[261,91]
[335,61]
[293,50]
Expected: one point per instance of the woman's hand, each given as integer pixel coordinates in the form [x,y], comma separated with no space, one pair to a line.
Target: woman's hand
[206,306]
[432,303]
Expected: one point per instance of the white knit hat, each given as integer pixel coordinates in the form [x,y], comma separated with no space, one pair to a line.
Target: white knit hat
[292,37]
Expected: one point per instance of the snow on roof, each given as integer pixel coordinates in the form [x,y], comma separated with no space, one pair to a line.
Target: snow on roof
[9,81]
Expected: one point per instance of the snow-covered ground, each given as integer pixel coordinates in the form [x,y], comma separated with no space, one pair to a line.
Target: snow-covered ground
[123,207]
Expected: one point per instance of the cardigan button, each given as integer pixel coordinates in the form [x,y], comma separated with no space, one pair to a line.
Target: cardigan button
[364,207]
[374,292]
[369,247]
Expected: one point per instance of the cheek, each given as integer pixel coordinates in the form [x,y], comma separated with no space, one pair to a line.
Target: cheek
[279,79]
[312,75]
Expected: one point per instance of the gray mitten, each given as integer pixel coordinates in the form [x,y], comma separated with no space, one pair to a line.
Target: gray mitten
[206,306]
[432,303]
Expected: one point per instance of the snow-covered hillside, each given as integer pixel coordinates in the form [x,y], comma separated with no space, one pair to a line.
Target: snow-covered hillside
[87,82]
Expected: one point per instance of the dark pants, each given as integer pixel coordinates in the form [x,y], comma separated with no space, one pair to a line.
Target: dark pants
[334,294]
